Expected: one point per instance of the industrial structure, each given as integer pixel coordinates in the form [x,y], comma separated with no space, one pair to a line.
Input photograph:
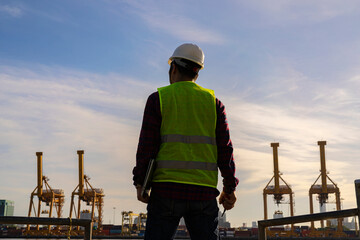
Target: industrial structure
[324,189]
[91,196]
[133,223]
[51,197]
[142,219]
[6,207]
[128,223]
[278,190]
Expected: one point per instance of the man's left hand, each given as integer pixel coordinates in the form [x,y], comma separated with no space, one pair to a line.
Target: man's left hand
[141,198]
[227,200]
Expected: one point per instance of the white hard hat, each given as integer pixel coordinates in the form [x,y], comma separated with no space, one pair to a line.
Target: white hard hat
[190,52]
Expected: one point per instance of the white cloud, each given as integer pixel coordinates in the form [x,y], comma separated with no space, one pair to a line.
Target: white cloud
[11,10]
[59,111]
[284,12]
[183,28]
[297,119]
[20,10]
[177,25]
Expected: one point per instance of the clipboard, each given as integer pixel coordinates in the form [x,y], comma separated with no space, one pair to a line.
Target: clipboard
[148,177]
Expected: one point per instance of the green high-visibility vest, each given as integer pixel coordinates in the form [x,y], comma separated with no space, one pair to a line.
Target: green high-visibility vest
[188,152]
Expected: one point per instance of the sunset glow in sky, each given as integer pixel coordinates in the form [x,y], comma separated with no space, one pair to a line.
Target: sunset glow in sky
[76,75]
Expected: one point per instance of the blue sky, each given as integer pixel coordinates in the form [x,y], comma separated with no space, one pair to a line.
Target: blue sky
[76,75]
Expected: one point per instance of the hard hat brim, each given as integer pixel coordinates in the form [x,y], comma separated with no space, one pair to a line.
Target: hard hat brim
[191,60]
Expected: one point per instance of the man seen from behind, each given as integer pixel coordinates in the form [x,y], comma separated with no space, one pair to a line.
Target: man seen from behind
[185,130]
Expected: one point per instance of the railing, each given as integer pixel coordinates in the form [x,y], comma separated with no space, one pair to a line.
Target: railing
[51,221]
[263,224]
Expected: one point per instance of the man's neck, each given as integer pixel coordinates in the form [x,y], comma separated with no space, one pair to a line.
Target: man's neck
[192,80]
[178,78]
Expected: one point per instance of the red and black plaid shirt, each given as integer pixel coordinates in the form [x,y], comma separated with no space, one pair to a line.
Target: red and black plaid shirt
[149,144]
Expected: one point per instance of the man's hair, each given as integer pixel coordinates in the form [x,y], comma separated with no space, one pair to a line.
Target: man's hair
[186,67]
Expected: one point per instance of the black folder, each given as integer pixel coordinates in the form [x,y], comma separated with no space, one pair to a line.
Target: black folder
[148,178]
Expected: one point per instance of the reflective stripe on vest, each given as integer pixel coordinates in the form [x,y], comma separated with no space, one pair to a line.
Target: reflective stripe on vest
[188,139]
[187,165]
[188,151]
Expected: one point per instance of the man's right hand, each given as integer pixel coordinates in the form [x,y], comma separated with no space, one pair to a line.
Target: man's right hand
[227,200]
[141,198]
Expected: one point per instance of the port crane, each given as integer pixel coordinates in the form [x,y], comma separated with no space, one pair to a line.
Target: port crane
[141,219]
[127,222]
[46,194]
[88,194]
[277,190]
[323,190]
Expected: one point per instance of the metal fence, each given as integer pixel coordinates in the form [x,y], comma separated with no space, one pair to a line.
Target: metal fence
[263,224]
[51,221]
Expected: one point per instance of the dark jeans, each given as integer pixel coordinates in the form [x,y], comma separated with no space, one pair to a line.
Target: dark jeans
[201,218]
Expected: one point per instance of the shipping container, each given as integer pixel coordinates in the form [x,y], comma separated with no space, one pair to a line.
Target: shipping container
[242,233]
[105,232]
[115,231]
[107,226]
[230,233]
[254,231]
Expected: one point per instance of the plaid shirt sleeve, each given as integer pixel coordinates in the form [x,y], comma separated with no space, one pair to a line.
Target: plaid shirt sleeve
[226,161]
[149,140]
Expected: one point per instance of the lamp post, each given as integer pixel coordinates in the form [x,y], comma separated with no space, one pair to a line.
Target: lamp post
[114,214]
